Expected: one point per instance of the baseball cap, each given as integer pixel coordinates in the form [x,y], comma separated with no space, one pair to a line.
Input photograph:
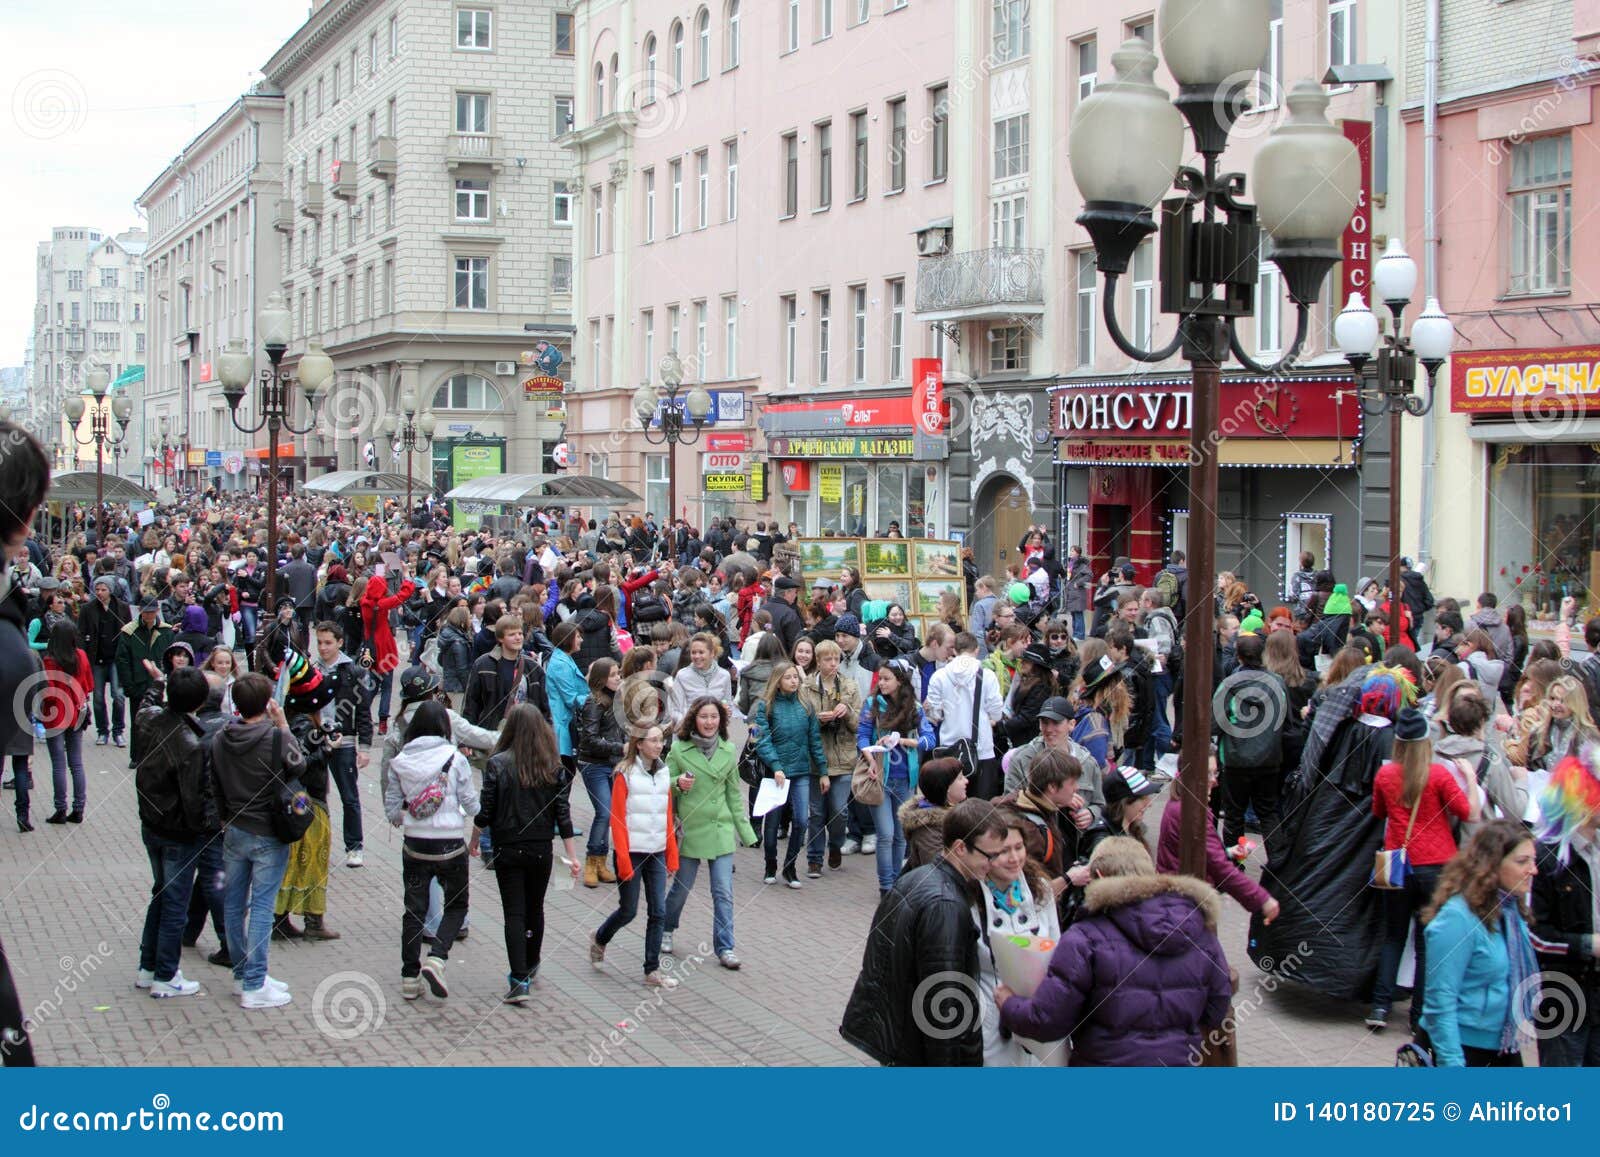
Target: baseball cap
[1128,783]
[1056,709]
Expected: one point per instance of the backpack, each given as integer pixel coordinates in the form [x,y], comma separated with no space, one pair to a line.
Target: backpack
[1171,590]
[1175,654]
[648,609]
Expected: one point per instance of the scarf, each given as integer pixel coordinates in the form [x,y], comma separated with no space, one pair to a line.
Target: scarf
[706,743]
[1523,979]
[1008,899]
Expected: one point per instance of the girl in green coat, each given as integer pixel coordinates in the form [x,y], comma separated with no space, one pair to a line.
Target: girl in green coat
[710,808]
[790,745]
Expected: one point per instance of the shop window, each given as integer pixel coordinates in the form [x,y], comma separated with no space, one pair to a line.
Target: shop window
[656,484]
[1074,529]
[1178,532]
[891,498]
[1305,532]
[1544,526]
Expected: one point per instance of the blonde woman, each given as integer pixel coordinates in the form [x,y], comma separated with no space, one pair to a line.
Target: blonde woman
[702,678]
[835,700]
[1553,729]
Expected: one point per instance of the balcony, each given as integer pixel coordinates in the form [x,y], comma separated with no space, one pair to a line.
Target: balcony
[343,184]
[283,216]
[382,159]
[311,203]
[473,149]
[980,283]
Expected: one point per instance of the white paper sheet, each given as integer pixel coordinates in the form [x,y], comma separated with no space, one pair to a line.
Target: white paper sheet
[770,796]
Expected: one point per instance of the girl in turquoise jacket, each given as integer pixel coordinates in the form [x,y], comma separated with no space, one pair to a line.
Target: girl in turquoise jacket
[565,685]
[788,739]
[892,719]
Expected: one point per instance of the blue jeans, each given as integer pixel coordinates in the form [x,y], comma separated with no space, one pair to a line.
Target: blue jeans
[891,849]
[1402,910]
[1161,737]
[1077,624]
[342,763]
[1578,1047]
[385,689]
[254,866]
[210,892]
[721,899]
[172,867]
[20,768]
[597,782]
[799,820]
[105,680]
[249,619]
[828,811]
[650,873]
[66,751]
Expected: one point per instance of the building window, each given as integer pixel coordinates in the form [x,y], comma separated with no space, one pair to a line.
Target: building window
[657,487]
[677,54]
[791,28]
[561,203]
[675,207]
[702,338]
[1008,222]
[1087,53]
[939,144]
[730,33]
[560,274]
[472,112]
[472,28]
[1269,77]
[897,330]
[791,340]
[1085,313]
[647,342]
[649,205]
[472,283]
[472,200]
[858,135]
[108,279]
[595,194]
[1541,215]
[1144,283]
[616,81]
[1011,147]
[1142,30]
[1010,18]
[702,45]
[594,352]
[74,280]
[599,90]
[563,116]
[1341,32]
[649,70]
[730,337]
[1269,304]
[467,392]
[730,161]
[563,34]
[394,37]
[824,134]
[702,188]
[859,11]
[897,146]
[336,85]
[858,333]
[824,19]
[824,305]
[1008,349]
[791,174]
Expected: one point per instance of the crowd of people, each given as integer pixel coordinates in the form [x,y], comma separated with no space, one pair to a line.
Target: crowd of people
[997,771]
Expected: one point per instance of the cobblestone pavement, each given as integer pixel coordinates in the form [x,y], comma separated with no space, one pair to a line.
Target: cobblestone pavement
[72,903]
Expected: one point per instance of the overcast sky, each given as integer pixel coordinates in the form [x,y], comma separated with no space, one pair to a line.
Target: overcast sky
[101,95]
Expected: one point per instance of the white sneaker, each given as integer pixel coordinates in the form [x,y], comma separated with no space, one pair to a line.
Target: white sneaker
[850,846]
[265,997]
[354,859]
[666,943]
[658,980]
[177,986]
[272,982]
[144,978]
[869,845]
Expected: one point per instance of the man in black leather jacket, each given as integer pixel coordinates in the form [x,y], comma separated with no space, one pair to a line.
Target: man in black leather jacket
[916,1001]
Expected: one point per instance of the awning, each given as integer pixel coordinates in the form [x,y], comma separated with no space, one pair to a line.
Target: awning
[361,483]
[542,489]
[286,449]
[131,376]
[78,486]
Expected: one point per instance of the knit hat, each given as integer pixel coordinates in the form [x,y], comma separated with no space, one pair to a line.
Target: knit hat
[1410,725]
[308,691]
[1019,593]
[1252,622]
[1338,602]
[847,625]
[1128,783]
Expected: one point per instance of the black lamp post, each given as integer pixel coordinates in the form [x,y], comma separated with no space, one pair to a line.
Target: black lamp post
[100,434]
[650,402]
[415,432]
[1125,146]
[1388,373]
[235,368]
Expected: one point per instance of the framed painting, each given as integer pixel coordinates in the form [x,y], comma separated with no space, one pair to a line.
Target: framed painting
[825,557]
[932,559]
[929,592]
[890,591]
[886,558]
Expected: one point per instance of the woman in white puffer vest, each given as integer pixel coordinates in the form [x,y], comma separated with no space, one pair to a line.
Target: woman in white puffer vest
[645,842]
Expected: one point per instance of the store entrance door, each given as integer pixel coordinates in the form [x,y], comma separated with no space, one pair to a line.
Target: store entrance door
[1013,514]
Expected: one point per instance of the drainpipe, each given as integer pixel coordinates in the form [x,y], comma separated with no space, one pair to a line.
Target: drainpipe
[1430,252]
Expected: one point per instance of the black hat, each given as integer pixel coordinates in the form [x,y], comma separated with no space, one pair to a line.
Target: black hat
[1128,783]
[417,682]
[1411,725]
[150,605]
[785,583]
[1056,709]
[1094,677]
[283,601]
[1036,654]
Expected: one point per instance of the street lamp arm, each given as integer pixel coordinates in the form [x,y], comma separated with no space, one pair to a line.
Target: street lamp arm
[1120,339]
[657,439]
[293,429]
[1288,360]
[254,428]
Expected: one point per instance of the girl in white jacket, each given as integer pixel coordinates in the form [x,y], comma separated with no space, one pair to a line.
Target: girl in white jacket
[645,842]
[429,794]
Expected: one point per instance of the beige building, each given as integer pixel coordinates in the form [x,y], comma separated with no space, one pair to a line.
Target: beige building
[424,221]
[210,220]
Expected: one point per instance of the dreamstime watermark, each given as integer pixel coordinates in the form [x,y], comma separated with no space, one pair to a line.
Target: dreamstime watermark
[646,1008]
[946,1005]
[43,694]
[1543,411]
[75,972]
[357,403]
[1574,72]
[1559,1004]
[347,1005]
[49,104]
[1248,704]
[1277,972]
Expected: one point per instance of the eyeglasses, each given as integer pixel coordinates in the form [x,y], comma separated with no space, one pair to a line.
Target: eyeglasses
[1056,636]
[1008,850]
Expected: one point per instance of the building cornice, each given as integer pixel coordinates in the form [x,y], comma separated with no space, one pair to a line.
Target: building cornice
[1473,99]
[311,37]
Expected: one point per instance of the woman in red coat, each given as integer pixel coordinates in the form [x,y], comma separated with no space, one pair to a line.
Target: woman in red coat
[61,708]
[376,604]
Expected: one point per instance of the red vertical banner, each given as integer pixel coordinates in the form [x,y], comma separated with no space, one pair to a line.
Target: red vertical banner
[1356,244]
[927,396]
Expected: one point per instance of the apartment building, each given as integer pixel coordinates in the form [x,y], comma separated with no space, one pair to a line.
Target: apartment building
[89,311]
[421,217]
[209,214]
[752,181]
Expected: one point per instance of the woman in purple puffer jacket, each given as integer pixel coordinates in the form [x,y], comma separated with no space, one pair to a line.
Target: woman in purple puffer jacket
[1139,977]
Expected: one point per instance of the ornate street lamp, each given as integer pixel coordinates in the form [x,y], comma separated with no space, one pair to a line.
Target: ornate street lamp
[273,398]
[415,433]
[650,404]
[1388,374]
[1125,146]
[100,434]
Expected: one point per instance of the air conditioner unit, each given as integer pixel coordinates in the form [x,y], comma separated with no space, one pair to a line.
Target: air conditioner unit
[933,242]
[505,369]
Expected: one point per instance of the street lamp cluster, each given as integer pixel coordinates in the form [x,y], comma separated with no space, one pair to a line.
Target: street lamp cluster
[100,432]
[652,404]
[156,457]
[235,368]
[1125,148]
[415,432]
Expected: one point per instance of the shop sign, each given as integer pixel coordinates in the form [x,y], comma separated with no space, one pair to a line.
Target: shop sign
[723,483]
[758,482]
[728,443]
[726,406]
[1539,384]
[542,388]
[830,481]
[843,415]
[927,396]
[197,457]
[843,447]
[1355,245]
[797,476]
[1126,453]
[213,458]
[722,463]
[1247,408]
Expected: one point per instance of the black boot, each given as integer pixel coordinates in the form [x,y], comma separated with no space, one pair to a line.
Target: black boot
[284,929]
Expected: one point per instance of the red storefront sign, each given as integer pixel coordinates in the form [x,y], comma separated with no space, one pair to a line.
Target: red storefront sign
[797,476]
[927,395]
[728,443]
[1551,383]
[846,414]
[1161,411]
[1356,243]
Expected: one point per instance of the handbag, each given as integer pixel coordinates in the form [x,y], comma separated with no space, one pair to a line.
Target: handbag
[292,809]
[752,768]
[966,750]
[1391,869]
[866,785]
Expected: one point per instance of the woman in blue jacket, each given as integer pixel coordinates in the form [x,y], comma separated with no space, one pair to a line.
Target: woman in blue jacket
[566,687]
[892,720]
[790,744]
[1482,977]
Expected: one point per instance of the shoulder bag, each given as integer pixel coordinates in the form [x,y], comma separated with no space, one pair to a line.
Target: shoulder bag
[966,750]
[1391,869]
[866,782]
